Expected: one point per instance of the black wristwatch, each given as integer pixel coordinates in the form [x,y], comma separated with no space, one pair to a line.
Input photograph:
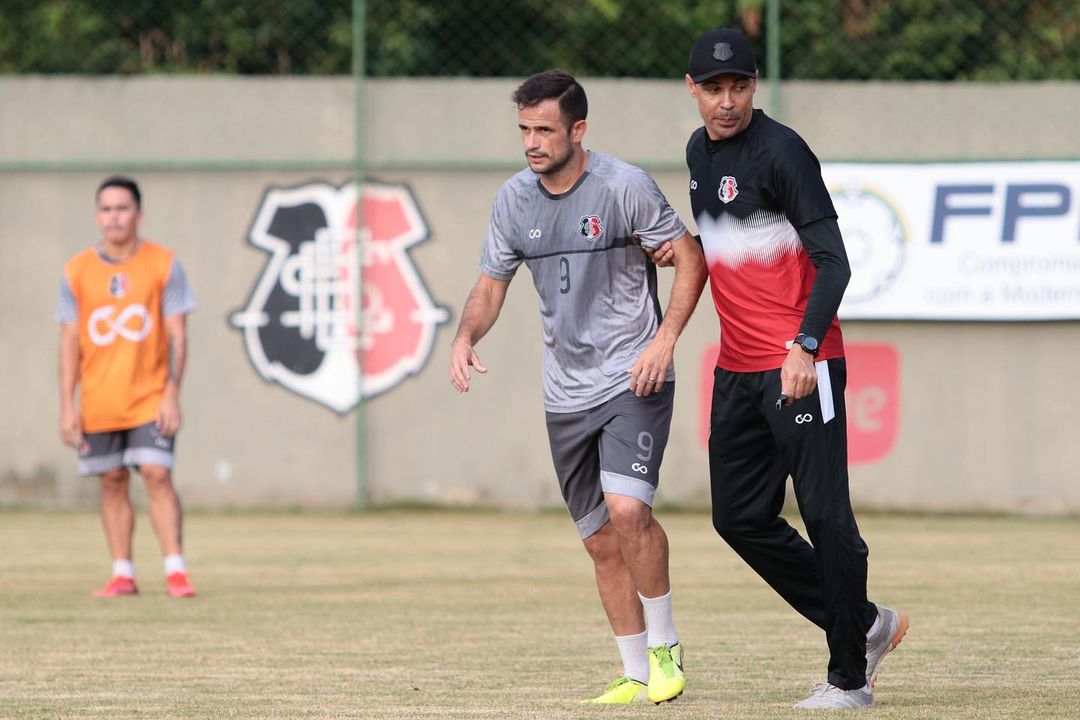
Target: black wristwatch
[807,343]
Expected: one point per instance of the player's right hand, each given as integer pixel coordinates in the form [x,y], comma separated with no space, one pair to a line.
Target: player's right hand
[71,429]
[462,355]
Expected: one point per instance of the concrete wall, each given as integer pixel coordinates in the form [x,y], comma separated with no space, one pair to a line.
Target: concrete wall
[462,122]
[984,413]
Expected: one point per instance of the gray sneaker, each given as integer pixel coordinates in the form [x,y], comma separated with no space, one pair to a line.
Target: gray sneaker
[824,696]
[889,633]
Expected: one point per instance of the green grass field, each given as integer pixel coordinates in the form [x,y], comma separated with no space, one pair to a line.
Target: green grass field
[431,614]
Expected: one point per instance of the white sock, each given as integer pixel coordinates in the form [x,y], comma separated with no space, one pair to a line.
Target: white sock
[174,563]
[659,620]
[634,651]
[123,568]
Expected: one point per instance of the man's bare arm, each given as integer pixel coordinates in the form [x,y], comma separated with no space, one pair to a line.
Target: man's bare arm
[70,428]
[647,374]
[169,416]
[479,315]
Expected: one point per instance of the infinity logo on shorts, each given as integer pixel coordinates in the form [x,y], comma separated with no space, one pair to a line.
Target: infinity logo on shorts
[638,467]
[804,418]
[104,328]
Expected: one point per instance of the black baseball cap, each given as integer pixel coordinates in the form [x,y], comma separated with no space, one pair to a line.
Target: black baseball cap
[721,51]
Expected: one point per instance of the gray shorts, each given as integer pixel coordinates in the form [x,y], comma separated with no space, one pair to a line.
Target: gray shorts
[616,448]
[142,445]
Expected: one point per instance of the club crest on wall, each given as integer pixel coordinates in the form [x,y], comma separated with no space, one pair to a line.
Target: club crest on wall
[320,304]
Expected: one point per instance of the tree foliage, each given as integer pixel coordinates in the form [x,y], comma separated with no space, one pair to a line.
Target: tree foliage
[190,36]
[820,39]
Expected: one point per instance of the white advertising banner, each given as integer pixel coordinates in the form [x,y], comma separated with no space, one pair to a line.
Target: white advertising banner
[960,241]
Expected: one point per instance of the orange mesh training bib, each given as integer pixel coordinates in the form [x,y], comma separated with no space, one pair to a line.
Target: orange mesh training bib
[122,343]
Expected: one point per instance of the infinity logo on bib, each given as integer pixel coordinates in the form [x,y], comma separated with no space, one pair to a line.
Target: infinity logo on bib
[104,328]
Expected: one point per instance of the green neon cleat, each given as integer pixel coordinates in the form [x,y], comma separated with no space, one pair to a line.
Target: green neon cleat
[620,691]
[666,679]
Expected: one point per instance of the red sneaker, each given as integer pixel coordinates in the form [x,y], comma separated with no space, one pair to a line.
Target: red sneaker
[117,587]
[178,585]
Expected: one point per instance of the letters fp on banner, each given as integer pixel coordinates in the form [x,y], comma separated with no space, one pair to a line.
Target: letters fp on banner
[993,241]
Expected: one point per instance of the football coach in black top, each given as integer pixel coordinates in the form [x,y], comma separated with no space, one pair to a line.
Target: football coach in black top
[778,270]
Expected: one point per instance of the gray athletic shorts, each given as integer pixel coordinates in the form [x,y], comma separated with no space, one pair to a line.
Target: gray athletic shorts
[616,447]
[142,445]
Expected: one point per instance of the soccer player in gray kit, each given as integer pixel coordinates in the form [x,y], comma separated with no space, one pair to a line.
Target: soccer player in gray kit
[579,220]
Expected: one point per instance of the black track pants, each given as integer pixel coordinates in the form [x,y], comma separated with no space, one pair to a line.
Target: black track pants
[753,447]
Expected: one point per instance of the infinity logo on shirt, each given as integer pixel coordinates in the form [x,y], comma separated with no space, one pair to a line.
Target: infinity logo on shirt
[104,328]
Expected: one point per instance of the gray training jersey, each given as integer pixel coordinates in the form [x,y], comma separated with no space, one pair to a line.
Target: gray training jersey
[597,287]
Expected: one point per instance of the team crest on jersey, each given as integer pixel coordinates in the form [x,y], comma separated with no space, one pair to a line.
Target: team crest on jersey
[729,189]
[119,285]
[324,301]
[591,226]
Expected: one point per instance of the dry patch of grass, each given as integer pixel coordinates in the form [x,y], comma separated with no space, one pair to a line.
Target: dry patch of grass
[406,615]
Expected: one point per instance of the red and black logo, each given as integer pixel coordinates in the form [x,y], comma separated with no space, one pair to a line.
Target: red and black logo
[728,189]
[325,300]
[590,227]
[119,285]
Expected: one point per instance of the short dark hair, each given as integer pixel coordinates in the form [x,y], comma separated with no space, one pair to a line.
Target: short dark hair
[121,182]
[554,85]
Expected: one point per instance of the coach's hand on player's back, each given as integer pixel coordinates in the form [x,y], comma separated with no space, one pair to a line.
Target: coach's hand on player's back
[462,355]
[663,256]
[648,373]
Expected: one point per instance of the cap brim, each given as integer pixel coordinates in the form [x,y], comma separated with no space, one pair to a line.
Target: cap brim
[728,71]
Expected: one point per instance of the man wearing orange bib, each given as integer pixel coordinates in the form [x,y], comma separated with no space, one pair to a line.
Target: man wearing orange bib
[122,311]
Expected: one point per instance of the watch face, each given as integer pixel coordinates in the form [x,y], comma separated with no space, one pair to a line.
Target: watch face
[810,344]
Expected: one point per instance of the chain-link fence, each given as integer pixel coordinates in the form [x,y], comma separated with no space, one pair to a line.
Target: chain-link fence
[817,39]
[182,52]
[103,37]
[806,39]
[931,40]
